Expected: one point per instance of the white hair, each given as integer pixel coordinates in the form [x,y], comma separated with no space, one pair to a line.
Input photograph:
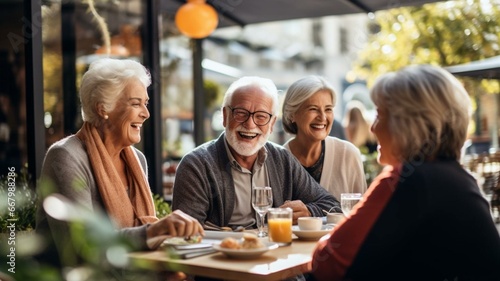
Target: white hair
[105,81]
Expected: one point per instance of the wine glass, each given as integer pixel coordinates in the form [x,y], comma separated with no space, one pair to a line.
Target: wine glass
[348,200]
[262,200]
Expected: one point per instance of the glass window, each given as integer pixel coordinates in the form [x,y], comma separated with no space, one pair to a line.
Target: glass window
[82,40]
[13,145]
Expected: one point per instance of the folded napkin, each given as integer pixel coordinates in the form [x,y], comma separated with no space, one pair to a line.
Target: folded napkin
[175,253]
[187,251]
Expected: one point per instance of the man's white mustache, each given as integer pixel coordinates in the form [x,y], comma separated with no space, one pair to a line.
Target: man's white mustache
[241,129]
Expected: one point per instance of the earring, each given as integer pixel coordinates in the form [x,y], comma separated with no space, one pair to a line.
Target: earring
[106,117]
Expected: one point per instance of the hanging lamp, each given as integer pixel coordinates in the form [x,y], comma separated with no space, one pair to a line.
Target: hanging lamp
[196,19]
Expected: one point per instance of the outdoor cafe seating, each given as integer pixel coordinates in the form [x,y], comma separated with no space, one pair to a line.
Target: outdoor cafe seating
[486,168]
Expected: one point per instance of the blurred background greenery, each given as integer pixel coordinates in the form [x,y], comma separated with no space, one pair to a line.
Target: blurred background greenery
[98,252]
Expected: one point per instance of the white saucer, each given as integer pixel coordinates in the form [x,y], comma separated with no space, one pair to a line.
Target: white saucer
[245,253]
[312,234]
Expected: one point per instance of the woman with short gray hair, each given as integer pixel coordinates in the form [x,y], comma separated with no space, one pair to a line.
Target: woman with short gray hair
[423,217]
[308,114]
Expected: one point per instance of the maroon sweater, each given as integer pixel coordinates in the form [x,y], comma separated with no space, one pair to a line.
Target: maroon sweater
[426,221]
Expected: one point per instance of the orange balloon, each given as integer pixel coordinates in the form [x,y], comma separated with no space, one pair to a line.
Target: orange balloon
[196,19]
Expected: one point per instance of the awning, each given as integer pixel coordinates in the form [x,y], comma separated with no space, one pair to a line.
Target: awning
[483,69]
[243,12]
[486,69]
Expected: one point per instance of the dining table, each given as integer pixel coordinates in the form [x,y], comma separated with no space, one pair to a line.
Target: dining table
[276,264]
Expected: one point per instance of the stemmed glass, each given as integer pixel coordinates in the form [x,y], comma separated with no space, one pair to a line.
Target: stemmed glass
[348,200]
[262,200]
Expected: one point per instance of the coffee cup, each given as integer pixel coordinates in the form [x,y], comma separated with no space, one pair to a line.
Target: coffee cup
[334,218]
[310,223]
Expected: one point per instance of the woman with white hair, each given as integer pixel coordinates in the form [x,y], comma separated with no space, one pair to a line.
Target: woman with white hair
[423,217]
[308,114]
[98,168]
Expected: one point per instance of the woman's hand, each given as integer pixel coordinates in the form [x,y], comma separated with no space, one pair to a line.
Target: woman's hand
[299,209]
[177,223]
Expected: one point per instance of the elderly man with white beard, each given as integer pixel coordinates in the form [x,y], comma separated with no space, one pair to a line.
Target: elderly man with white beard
[214,181]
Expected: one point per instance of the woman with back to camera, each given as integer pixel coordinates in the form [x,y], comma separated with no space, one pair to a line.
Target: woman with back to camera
[308,114]
[423,217]
[99,168]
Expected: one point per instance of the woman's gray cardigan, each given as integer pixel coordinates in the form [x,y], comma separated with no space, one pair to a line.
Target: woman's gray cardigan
[67,170]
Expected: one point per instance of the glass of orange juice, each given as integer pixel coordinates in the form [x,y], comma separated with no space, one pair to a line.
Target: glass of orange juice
[279,225]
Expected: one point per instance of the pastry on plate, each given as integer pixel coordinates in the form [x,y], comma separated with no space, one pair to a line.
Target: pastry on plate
[230,243]
[251,241]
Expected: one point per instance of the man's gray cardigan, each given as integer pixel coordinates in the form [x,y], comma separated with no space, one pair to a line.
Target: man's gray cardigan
[204,186]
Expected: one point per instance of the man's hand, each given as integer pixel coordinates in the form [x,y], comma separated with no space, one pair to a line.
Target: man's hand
[299,209]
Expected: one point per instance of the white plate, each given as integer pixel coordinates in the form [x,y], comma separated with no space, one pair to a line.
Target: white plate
[205,243]
[245,253]
[179,241]
[312,234]
[210,234]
